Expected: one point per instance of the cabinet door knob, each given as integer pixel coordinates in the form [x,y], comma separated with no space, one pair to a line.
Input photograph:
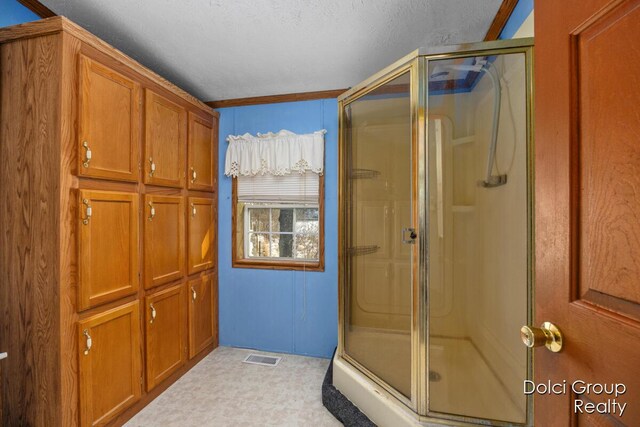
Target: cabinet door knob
[194,175]
[153,313]
[89,341]
[87,154]
[152,211]
[88,211]
[194,295]
[193,210]
[152,166]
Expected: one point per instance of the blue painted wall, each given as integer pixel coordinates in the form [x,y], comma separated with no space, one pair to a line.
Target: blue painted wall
[12,13]
[282,311]
[518,16]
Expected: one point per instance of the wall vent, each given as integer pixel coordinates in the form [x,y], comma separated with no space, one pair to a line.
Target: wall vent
[259,359]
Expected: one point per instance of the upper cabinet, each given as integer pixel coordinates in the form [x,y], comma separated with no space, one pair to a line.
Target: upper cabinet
[108,123]
[164,141]
[202,164]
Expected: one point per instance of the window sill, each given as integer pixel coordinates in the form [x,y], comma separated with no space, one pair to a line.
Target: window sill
[278,265]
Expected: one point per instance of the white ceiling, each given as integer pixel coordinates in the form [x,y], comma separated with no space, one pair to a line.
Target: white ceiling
[221,49]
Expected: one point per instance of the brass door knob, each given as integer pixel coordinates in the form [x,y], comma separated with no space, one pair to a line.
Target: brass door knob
[547,335]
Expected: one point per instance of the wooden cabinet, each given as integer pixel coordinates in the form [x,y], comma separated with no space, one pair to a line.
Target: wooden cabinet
[163,240]
[201,234]
[203,155]
[203,313]
[164,141]
[108,123]
[82,225]
[110,363]
[165,320]
[108,247]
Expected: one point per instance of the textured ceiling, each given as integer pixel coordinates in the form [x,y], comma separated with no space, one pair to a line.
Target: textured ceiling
[221,49]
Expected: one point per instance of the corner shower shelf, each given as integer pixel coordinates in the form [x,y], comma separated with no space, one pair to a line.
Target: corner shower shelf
[463,140]
[463,208]
[364,174]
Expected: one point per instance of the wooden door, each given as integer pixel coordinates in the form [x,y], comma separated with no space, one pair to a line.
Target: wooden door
[203,313]
[108,247]
[203,154]
[201,236]
[587,206]
[164,141]
[108,123]
[163,240]
[110,363]
[166,325]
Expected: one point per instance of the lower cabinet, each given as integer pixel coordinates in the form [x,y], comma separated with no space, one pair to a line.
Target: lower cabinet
[203,313]
[110,363]
[166,324]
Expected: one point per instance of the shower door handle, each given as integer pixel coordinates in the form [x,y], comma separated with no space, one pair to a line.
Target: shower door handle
[412,235]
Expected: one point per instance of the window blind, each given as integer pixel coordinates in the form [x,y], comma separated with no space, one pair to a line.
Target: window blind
[295,187]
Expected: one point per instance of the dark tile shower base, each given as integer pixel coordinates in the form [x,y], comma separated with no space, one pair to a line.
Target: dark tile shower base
[339,406]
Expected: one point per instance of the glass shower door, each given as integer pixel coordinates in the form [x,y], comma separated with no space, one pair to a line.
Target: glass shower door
[478,180]
[380,235]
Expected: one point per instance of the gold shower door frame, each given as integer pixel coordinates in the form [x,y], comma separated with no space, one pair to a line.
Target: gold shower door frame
[417,64]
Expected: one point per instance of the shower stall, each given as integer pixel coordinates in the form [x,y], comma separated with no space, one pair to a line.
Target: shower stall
[435,237]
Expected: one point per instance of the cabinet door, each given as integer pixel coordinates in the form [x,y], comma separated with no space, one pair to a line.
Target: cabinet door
[166,325]
[110,363]
[108,123]
[203,313]
[108,247]
[165,139]
[203,153]
[202,239]
[163,240]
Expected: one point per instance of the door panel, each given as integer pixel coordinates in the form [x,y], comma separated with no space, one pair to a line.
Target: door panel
[202,239]
[163,240]
[165,138]
[108,123]
[203,156]
[110,363]
[203,313]
[166,323]
[379,189]
[108,247]
[588,203]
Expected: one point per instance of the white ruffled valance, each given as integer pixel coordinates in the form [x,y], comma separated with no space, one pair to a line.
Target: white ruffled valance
[275,154]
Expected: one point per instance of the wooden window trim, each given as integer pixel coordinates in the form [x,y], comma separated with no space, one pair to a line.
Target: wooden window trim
[237,262]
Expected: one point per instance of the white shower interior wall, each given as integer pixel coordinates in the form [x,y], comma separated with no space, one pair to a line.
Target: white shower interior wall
[479,300]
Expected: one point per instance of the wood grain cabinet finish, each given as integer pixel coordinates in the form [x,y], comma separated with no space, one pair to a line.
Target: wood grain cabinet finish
[203,313]
[108,123]
[164,141]
[75,229]
[108,247]
[163,240]
[110,363]
[203,155]
[202,241]
[166,323]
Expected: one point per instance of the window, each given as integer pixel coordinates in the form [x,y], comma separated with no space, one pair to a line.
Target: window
[278,212]
[282,232]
